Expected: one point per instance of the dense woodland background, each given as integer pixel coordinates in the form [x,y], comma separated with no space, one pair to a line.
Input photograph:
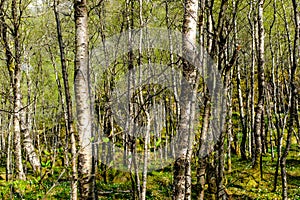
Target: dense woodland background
[57,127]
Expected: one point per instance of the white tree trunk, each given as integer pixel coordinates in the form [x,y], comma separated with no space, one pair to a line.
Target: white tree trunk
[260,105]
[83,104]
[17,94]
[182,166]
[17,126]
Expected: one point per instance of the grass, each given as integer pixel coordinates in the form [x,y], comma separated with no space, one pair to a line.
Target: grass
[241,183]
[245,183]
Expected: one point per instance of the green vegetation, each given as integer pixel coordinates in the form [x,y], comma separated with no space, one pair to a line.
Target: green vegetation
[241,183]
[48,134]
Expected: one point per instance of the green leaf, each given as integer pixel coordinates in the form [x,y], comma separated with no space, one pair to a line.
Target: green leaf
[48,163]
[92,139]
[105,139]
[60,149]
[158,142]
[47,153]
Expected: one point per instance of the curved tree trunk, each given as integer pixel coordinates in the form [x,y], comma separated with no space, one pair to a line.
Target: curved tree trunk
[26,127]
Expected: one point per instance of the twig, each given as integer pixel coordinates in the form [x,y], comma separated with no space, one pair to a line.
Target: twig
[55,184]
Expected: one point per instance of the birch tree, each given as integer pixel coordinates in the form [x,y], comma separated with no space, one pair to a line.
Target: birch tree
[182,166]
[293,112]
[70,132]
[17,99]
[12,41]
[86,157]
[261,84]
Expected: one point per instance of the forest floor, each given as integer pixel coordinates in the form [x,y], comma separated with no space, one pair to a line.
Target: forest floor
[241,183]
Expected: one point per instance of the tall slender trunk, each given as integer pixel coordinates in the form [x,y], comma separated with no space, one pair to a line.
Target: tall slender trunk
[240,95]
[202,162]
[281,123]
[9,64]
[8,169]
[174,80]
[271,124]
[242,115]
[17,92]
[252,91]
[202,157]
[293,112]
[182,166]
[146,149]
[131,129]
[86,159]
[26,126]
[68,100]
[261,84]
[229,128]
[148,120]
[16,122]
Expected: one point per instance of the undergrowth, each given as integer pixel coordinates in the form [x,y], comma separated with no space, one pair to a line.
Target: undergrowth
[241,183]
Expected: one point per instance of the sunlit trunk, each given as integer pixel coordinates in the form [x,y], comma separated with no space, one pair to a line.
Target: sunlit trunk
[86,159]
[182,166]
